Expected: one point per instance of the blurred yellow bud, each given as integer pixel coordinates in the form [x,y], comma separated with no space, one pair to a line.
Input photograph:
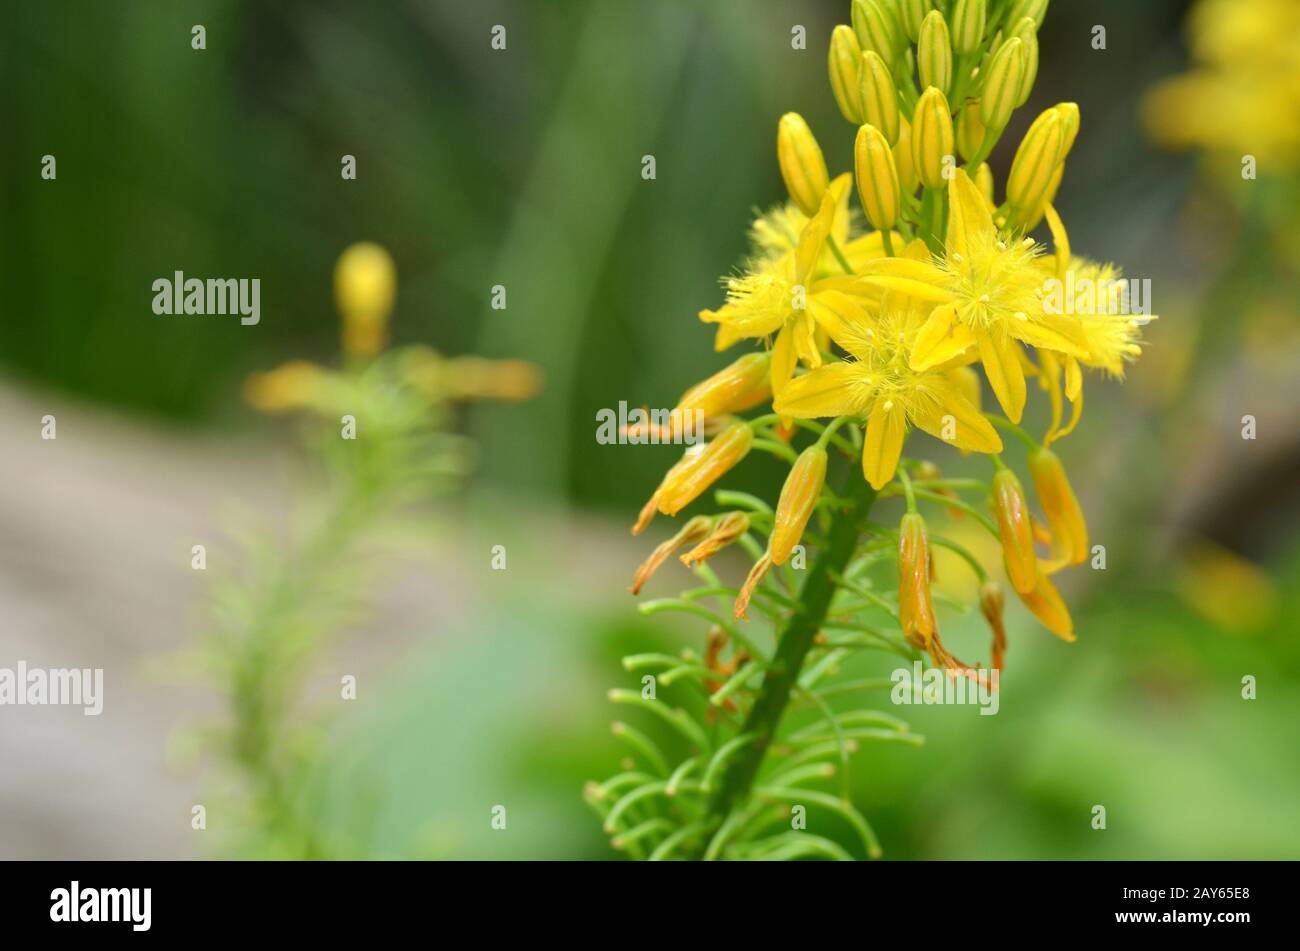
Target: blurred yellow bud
[1046,604]
[915,610]
[802,165]
[1064,516]
[691,532]
[1034,9]
[844,62]
[879,96]
[365,282]
[934,53]
[799,496]
[478,378]
[932,138]
[912,13]
[297,384]
[698,471]
[875,28]
[968,18]
[726,530]
[1012,511]
[733,389]
[1002,84]
[873,166]
[970,130]
[907,180]
[1027,32]
[1034,165]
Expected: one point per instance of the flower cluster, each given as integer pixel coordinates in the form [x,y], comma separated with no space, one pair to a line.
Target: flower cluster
[882,330]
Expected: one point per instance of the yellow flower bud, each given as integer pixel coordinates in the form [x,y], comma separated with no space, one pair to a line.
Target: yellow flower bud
[1012,511]
[873,166]
[1034,165]
[1002,84]
[934,53]
[802,164]
[984,181]
[725,531]
[1034,9]
[991,605]
[1068,112]
[932,138]
[1046,604]
[915,611]
[875,28]
[844,62]
[733,389]
[912,14]
[970,131]
[879,96]
[691,532]
[699,471]
[907,180]
[799,497]
[477,378]
[365,282]
[1064,516]
[968,25]
[1027,33]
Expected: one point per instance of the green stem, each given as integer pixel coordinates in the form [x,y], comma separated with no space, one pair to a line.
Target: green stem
[737,780]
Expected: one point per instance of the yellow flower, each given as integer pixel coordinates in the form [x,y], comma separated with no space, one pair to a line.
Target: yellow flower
[880,385]
[986,293]
[691,532]
[1243,92]
[782,291]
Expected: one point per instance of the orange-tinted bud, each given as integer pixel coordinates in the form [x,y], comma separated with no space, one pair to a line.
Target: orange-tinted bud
[803,486]
[692,531]
[1047,605]
[1012,511]
[1064,517]
[991,604]
[915,612]
[652,506]
[684,485]
[482,379]
[725,531]
[733,389]
[756,574]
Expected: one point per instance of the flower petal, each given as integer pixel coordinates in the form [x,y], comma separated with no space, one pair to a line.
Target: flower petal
[940,338]
[966,429]
[836,389]
[968,213]
[1006,376]
[783,359]
[884,442]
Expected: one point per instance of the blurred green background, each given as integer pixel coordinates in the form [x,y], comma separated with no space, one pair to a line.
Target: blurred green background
[522,167]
